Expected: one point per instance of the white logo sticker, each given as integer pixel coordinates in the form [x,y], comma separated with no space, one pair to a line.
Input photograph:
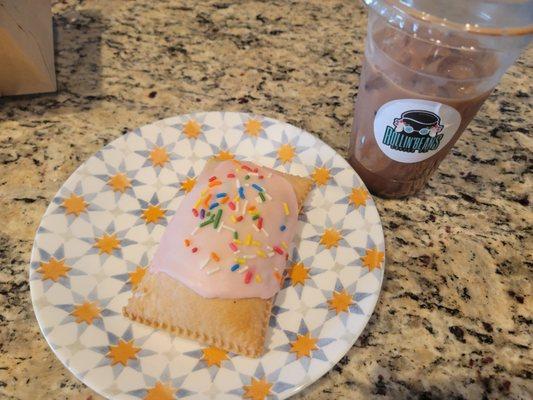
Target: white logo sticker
[412,130]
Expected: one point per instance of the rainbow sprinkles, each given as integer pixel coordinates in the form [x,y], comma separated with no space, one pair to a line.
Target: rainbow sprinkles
[227,196]
[229,237]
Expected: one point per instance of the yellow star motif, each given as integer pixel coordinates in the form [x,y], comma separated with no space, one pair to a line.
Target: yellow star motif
[53,269]
[224,155]
[160,392]
[86,312]
[304,345]
[253,127]
[137,276]
[298,274]
[373,258]
[358,197]
[330,238]
[258,389]
[340,301]
[122,352]
[153,214]
[159,156]
[107,243]
[192,129]
[119,182]
[74,205]
[286,153]
[214,356]
[188,184]
[321,175]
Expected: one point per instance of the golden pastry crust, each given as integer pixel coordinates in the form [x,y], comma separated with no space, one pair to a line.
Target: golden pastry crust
[236,325]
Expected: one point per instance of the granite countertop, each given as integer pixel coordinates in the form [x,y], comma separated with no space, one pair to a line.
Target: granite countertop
[454,318]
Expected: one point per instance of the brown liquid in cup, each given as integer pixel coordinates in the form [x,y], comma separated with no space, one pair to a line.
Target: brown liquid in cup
[406,68]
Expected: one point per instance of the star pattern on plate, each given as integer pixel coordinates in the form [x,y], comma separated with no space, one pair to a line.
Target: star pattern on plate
[286,151]
[122,352]
[321,175]
[223,151]
[137,276]
[53,269]
[192,129]
[303,345]
[298,273]
[224,155]
[253,127]
[188,184]
[153,213]
[159,156]
[115,187]
[373,258]
[78,211]
[107,243]
[358,196]
[258,389]
[74,204]
[340,301]
[157,153]
[160,391]
[88,261]
[339,297]
[86,312]
[330,238]
[211,360]
[62,267]
[119,182]
[214,356]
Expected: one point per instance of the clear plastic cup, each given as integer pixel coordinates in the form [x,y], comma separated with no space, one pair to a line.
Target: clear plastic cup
[429,65]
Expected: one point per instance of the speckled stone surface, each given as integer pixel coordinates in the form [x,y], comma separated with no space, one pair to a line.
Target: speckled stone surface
[454,318]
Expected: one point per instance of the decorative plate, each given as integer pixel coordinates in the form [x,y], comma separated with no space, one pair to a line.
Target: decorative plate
[101,229]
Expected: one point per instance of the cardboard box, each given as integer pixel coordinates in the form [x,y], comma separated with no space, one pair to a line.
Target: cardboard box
[26,47]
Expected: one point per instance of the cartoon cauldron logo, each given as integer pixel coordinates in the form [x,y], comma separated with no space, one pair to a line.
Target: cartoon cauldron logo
[415,130]
[418,123]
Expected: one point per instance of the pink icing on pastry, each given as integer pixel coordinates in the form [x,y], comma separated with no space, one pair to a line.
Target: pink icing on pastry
[208,259]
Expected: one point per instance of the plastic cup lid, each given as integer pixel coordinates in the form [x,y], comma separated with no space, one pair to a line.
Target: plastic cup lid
[483,17]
